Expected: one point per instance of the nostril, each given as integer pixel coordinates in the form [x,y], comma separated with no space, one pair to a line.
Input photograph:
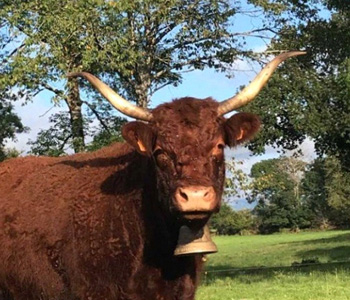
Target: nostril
[209,195]
[183,195]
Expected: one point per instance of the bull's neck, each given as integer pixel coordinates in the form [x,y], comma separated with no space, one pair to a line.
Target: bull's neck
[161,231]
[161,226]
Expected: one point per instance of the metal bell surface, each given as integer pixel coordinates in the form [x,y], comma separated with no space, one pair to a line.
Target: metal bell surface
[193,241]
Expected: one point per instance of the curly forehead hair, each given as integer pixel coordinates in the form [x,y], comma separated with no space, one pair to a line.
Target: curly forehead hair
[188,121]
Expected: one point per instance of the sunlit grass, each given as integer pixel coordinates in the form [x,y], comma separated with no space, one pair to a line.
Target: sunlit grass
[243,256]
[280,249]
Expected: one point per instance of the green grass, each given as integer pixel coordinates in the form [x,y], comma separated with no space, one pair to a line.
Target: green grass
[260,267]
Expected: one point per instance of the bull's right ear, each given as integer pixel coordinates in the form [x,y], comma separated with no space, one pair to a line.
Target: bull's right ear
[140,136]
[241,127]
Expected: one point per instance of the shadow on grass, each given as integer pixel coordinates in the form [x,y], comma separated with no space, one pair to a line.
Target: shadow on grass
[323,249]
[253,275]
[340,253]
[339,238]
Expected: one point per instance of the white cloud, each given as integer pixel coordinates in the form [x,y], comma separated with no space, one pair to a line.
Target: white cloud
[307,149]
[245,156]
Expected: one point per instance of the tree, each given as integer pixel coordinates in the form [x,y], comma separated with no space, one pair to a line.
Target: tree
[274,191]
[309,97]
[51,39]
[10,124]
[236,180]
[325,191]
[338,188]
[55,140]
[58,138]
[295,169]
[137,47]
[229,222]
[11,153]
[315,193]
[105,136]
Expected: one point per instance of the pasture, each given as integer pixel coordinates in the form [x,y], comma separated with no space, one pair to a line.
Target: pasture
[302,266]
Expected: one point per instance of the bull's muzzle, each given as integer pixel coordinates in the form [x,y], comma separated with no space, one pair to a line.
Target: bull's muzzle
[195,199]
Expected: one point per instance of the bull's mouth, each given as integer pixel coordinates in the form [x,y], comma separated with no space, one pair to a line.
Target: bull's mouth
[196,215]
[195,219]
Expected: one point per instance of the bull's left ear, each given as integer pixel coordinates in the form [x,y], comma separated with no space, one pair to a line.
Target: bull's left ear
[241,127]
[140,136]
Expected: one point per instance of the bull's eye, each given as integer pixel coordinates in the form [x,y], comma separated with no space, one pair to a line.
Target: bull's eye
[158,151]
[162,159]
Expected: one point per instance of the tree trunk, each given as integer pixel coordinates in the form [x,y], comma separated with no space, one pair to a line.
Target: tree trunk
[76,118]
[142,88]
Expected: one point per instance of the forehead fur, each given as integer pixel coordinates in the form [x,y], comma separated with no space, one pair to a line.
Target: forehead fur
[188,121]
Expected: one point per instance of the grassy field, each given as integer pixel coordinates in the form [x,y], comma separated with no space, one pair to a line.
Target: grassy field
[302,266]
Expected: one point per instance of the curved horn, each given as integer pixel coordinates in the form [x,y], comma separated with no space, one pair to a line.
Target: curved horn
[252,90]
[117,101]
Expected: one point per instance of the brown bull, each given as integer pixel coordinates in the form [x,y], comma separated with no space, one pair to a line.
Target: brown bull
[104,225]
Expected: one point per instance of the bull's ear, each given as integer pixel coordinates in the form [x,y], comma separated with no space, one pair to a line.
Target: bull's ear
[240,128]
[140,136]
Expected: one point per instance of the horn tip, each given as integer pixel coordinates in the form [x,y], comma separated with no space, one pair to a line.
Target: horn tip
[72,74]
[296,53]
[77,74]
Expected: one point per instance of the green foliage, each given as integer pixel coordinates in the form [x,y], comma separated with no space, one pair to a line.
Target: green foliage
[10,124]
[236,180]
[43,41]
[276,190]
[309,96]
[326,193]
[229,222]
[55,140]
[282,214]
[338,191]
[7,153]
[315,194]
[106,136]
[289,196]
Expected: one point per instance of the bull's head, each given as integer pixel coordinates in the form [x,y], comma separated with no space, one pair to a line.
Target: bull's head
[186,140]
